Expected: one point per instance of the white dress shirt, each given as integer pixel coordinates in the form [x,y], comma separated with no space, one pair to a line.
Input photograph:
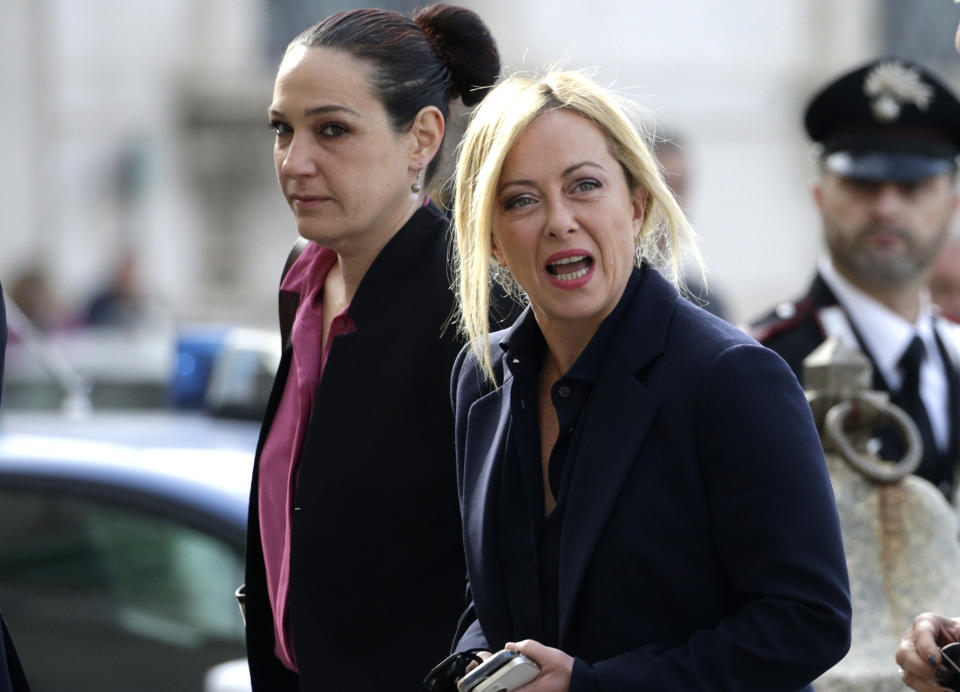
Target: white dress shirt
[887,335]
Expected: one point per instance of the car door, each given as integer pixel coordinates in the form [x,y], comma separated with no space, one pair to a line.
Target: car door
[102,595]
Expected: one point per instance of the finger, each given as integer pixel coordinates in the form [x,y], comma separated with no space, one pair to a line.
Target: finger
[530,648]
[911,659]
[921,684]
[928,635]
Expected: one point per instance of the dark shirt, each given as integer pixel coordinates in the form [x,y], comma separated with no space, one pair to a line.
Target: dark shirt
[528,539]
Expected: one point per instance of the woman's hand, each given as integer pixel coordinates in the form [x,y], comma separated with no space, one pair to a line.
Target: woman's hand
[556,667]
[919,650]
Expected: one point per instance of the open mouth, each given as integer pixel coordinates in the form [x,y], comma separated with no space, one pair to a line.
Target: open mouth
[570,268]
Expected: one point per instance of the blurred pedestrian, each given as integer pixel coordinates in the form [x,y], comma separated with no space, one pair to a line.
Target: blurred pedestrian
[671,153]
[12,678]
[354,574]
[945,279]
[644,498]
[922,666]
[32,292]
[120,302]
[889,134]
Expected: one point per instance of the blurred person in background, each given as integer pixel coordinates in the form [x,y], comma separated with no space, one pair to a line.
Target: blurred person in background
[354,571]
[889,134]
[671,153]
[32,292]
[121,302]
[945,279]
[918,655]
[12,678]
[644,497]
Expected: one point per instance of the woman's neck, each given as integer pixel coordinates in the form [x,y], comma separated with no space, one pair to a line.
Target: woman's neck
[565,339]
[354,259]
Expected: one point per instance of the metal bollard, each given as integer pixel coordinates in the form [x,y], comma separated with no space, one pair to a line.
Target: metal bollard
[899,533]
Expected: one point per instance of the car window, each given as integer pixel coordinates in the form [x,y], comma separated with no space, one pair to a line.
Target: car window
[101,597]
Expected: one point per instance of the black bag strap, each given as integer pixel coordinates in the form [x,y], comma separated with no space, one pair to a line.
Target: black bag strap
[289,301]
[443,677]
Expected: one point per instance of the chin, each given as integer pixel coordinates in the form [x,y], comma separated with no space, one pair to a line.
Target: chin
[318,233]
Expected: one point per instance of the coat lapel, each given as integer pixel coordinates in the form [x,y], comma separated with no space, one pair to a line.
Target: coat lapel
[488,419]
[614,428]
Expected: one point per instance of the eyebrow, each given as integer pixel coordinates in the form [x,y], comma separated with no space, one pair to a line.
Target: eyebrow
[566,171]
[317,110]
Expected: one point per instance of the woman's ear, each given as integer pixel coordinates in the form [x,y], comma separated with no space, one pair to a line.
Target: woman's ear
[495,249]
[427,130]
[640,196]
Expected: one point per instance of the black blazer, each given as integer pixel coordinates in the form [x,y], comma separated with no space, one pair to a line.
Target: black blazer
[12,678]
[701,548]
[377,571]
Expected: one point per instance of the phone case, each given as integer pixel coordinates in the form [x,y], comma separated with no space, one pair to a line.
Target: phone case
[515,673]
[485,670]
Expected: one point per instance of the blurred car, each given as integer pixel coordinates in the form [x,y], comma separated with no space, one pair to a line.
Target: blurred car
[125,462]
[226,370]
[121,542]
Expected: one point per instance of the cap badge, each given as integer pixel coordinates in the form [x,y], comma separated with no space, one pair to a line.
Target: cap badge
[891,85]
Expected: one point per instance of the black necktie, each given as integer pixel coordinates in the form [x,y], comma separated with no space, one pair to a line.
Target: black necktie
[909,399]
[909,364]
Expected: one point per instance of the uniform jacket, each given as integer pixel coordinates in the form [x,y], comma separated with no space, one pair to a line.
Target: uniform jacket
[701,548]
[795,329]
[377,568]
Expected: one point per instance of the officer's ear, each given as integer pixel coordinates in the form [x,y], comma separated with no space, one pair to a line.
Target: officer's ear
[817,193]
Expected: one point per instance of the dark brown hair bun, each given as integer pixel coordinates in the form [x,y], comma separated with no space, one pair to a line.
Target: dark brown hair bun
[465,45]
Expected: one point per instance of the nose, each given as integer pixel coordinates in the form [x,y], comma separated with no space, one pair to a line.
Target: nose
[888,201]
[295,159]
[560,219]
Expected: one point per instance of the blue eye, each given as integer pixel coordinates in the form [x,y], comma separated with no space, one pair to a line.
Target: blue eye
[585,185]
[518,202]
[279,128]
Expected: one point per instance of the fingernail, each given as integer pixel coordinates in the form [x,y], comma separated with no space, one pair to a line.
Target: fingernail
[933,661]
[942,673]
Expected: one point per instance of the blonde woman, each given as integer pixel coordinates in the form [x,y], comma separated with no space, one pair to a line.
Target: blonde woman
[644,499]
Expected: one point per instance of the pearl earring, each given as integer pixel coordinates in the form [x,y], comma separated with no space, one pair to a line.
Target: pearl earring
[417,182]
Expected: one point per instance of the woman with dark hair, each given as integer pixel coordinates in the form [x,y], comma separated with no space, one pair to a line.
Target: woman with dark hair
[353,548]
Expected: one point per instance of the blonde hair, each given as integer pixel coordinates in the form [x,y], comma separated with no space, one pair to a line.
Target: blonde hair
[665,236]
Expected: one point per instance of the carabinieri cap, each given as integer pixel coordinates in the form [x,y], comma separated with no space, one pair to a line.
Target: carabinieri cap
[888,120]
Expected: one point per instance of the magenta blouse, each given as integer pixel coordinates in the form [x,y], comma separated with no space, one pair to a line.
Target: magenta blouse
[279,460]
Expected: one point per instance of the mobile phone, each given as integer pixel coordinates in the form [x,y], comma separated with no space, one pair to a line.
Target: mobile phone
[502,672]
[950,659]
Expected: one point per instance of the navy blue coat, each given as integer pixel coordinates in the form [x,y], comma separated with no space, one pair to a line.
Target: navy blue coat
[701,548]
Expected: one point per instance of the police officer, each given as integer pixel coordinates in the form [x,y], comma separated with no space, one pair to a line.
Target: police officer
[888,135]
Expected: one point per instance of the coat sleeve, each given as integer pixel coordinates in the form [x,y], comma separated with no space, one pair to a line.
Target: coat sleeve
[465,383]
[775,527]
[12,677]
